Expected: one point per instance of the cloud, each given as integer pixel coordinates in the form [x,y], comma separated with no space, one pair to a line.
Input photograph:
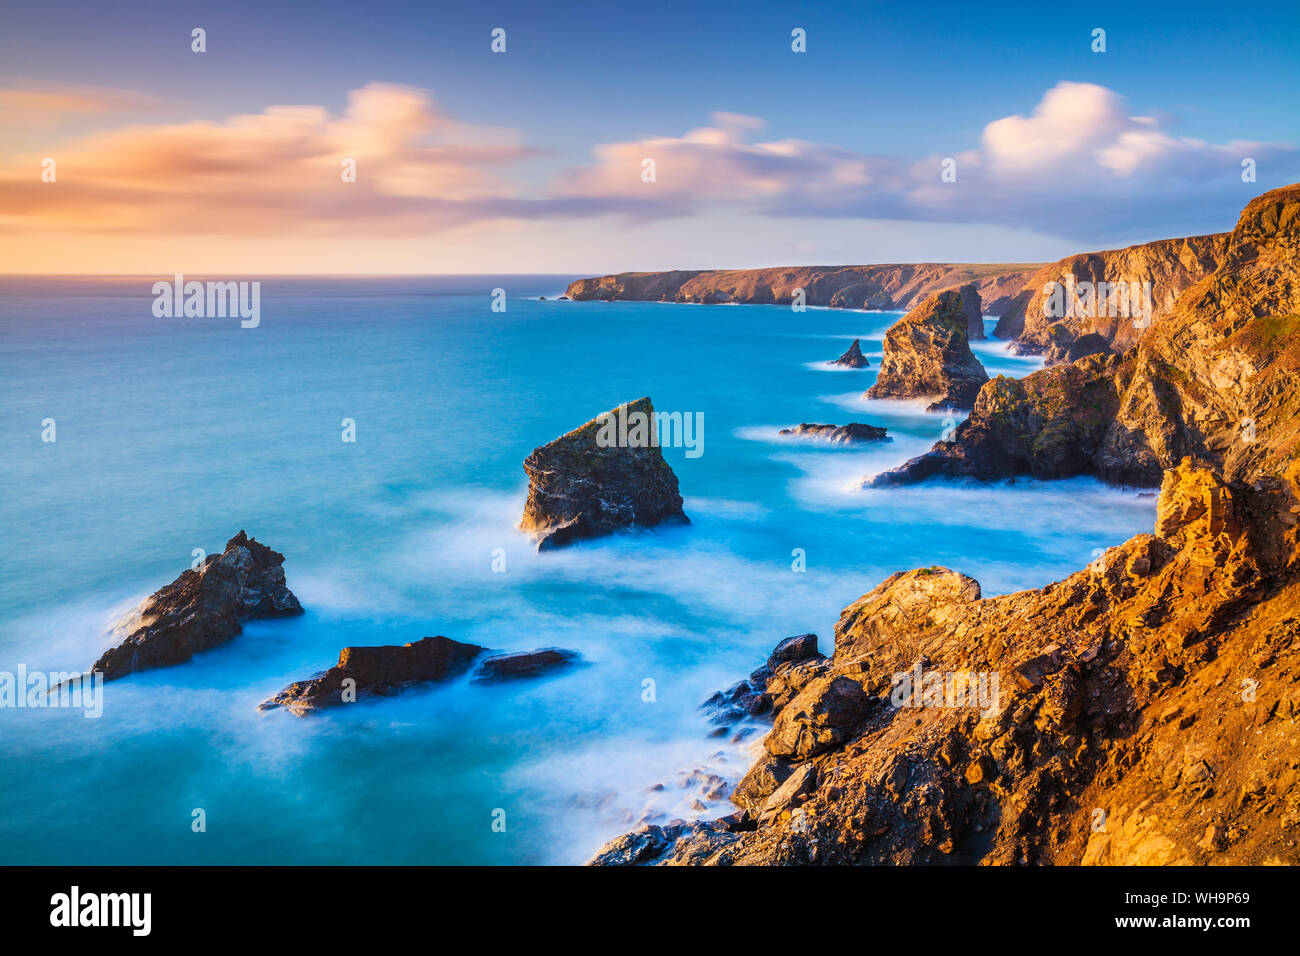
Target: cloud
[1079,167]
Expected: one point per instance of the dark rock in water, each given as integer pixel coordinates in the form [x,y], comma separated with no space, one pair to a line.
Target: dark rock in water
[927,354]
[690,843]
[607,475]
[853,358]
[503,667]
[377,671]
[837,434]
[204,608]
[794,650]
[771,686]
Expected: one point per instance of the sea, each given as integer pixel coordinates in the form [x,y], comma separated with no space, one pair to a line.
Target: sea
[133,444]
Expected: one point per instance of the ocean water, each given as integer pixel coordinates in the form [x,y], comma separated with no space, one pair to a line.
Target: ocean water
[173,434]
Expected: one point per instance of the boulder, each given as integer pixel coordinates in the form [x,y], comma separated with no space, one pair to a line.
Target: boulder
[824,715]
[607,475]
[836,434]
[853,357]
[203,608]
[927,354]
[377,671]
[525,664]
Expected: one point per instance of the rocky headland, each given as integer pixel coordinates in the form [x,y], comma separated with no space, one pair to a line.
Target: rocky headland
[1213,378]
[1142,711]
[599,479]
[202,609]
[877,287]
[927,354]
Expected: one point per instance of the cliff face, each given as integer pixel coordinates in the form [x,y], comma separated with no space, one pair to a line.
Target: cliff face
[1139,712]
[927,354]
[1170,265]
[1214,378]
[884,287]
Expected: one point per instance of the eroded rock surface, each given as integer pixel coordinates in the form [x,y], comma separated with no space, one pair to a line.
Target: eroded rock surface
[580,486]
[927,355]
[836,434]
[203,608]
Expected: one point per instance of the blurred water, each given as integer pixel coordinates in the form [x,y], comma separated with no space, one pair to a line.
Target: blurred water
[173,434]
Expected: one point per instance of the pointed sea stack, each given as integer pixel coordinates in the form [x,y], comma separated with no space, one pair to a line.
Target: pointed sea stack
[927,353]
[973,307]
[607,475]
[204,608]
[853,358]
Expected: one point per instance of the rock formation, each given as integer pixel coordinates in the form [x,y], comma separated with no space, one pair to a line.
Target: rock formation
[524,664]
[836,434]
[377,672]
[607,475]
[852,357]
[1041,326]
[1213,378]
[927,354]
[973,308]
[897,286]
[1152,692]
[203,608]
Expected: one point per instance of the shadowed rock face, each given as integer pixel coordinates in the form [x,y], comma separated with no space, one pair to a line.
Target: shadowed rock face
[1120,688]
[927,354]
[525,664]
[204,608]
[836,434]
[377,671]
[852,357]
[892,286]
[1170,265]
[973,308]
[1213,378]
[578,488]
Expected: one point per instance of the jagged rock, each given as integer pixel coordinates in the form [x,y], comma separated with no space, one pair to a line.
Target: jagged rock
[524,664]
[790,793]
[607,475]
[837,434]
[822,716]
[377,671]
[794,650]
[789,667]
[1067,352]
[1212,378]
[852,357]
[927,354]
[203,608]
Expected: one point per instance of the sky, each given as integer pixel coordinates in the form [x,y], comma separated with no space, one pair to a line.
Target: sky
[610,137]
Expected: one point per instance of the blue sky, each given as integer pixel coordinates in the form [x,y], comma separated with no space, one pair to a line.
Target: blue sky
[907,81]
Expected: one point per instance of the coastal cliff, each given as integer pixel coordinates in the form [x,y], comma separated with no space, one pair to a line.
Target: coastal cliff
[1214,378]
[1141,711]
[879,287]
[1169,265]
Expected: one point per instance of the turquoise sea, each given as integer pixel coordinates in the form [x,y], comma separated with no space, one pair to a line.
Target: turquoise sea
[173,434]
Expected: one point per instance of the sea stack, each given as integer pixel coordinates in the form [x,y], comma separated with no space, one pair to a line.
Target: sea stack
[204,608]
[973,308]
[607,475]
[927,354]
[853,358]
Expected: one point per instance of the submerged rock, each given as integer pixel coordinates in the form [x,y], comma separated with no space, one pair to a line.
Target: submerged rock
[524,664]
[836,434]
[607,475]
[927,354]
[204,608]
[852,357]
[377,671]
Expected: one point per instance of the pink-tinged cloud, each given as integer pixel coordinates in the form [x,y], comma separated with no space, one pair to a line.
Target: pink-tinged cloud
[1079,166]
